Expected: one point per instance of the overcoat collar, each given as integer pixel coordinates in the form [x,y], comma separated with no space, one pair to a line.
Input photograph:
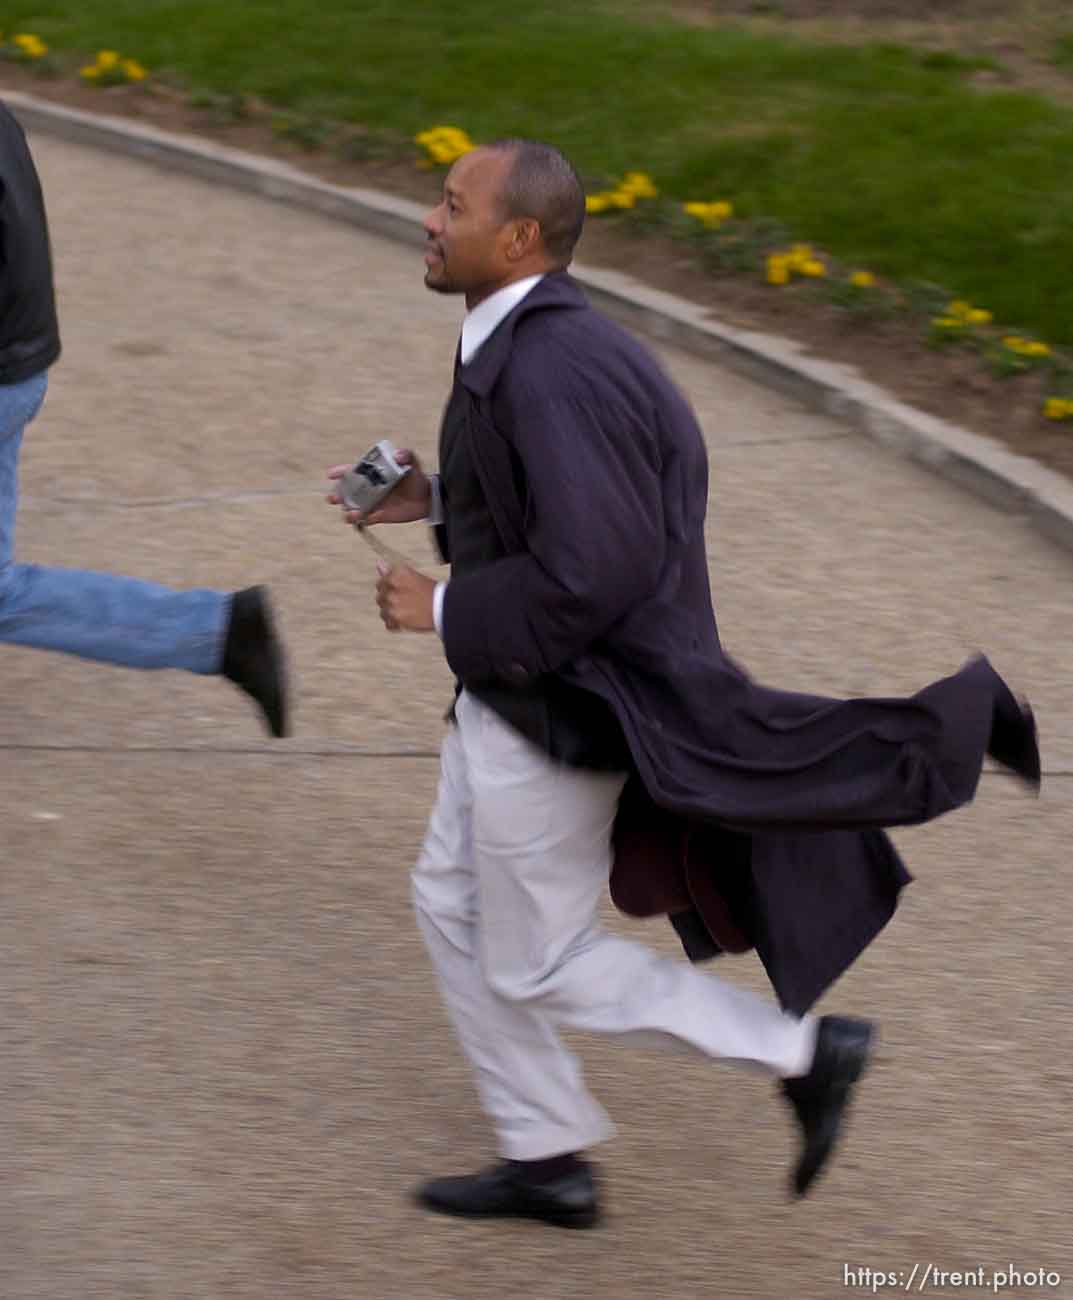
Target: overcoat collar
[558,289]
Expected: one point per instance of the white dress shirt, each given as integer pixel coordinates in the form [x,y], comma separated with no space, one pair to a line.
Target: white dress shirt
[477,327]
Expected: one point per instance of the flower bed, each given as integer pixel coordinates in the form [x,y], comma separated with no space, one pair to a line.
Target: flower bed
[747,246]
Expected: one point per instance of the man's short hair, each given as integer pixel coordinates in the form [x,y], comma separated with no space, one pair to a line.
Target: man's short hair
[544,185]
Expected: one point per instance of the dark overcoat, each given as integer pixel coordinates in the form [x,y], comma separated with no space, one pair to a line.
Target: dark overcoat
[760,809]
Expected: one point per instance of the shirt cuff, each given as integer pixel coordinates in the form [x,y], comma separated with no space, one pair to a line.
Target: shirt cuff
[437,607]
[435,514]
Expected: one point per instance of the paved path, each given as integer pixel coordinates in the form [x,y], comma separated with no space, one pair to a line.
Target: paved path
[224,1061]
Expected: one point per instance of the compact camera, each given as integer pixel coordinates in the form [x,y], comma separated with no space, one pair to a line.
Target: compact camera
[372,478]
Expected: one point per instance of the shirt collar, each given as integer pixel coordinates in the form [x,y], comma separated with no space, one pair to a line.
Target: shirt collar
[483,319]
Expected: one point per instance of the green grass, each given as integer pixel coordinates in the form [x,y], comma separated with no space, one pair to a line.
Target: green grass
[883,155]
[1063,52]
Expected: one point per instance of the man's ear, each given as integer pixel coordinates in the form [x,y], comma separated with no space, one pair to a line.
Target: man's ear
[524,240]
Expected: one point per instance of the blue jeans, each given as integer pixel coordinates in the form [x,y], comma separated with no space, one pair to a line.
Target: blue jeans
[101,616]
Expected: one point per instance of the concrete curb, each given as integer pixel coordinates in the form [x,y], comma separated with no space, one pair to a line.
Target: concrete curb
[1013,483]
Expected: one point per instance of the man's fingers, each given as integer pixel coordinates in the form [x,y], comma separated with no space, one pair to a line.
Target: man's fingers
[337,471]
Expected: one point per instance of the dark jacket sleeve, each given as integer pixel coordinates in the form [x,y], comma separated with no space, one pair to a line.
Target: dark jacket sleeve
[593,532]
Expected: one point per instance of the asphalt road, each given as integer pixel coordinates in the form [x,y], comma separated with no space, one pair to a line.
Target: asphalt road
[223,1061]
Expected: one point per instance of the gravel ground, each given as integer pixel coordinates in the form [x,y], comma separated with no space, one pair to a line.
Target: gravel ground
[224,1059]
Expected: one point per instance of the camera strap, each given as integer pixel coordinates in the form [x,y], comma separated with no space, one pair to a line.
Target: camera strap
[388,553]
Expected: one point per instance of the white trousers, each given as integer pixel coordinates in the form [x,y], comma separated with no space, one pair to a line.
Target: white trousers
[507,891]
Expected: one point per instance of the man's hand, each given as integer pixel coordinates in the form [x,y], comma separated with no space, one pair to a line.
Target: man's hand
[409,501]
[405,598]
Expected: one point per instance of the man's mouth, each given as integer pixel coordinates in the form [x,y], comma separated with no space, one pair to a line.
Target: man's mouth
[432,255]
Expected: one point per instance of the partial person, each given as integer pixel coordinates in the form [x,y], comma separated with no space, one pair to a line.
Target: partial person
[102,616]
[601,731]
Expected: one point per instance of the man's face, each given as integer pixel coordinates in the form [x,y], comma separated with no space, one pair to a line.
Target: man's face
[467,236]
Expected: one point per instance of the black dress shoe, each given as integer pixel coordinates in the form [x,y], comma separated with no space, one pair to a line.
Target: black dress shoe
[820,1098]
[253,656]
[499,1193]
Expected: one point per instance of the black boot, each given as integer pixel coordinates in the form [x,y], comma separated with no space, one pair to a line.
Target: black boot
[821,1097]
[253,656]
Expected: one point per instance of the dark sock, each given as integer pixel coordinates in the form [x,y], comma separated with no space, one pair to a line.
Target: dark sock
[536,1172]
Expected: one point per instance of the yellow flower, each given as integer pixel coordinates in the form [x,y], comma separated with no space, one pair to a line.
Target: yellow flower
[711,214]
[134,70]
[597,203]
[862,280]
[966,312]
[814,267]
[640,185]
[948,323]
[798,255]
[32,46]
[778,269]
[1026,347]
[621,198]
[107,59]
[1057,408]
[445,143]
[90,71]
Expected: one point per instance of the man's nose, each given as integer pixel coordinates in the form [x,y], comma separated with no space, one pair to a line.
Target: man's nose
[432,223]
